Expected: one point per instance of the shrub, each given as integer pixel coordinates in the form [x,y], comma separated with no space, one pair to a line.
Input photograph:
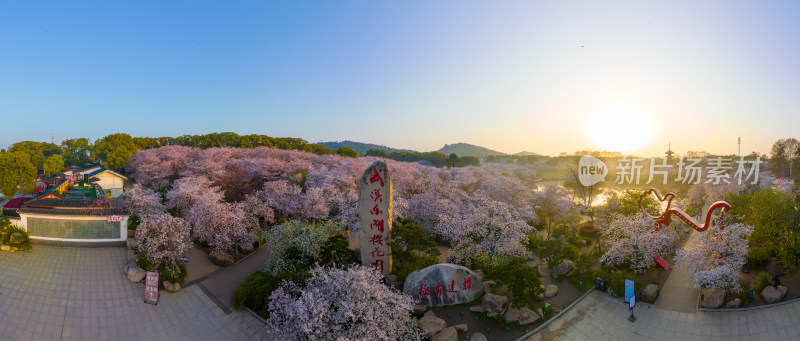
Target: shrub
[582,277]
[522,280]
[412,249]
[744,297]
[761,281]
[255,290]
[306,238]
[175,274]
[758,256]
[616,281]
[336,252]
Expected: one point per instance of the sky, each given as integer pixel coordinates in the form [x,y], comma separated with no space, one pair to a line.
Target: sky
[539,76]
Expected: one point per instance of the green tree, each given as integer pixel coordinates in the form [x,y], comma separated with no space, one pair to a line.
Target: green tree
[411,248]
[77,152]
[522,280]
[346,151]
[37,151]
[53,165]
[16,173]
[336,252]
[775,223]
[377,153]
[470,161]
[453,161]
[114,150]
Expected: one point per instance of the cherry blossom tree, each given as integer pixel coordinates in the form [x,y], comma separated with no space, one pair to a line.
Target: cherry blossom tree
[632,240]
[553,207]
[348,304]
[190,189]
[714,258]
[163,239]
[143,201]
[307,237]
[221,225]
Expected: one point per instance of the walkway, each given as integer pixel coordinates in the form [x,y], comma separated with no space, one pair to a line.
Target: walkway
[678,294]
[602,317]
[64,293]
[223,283]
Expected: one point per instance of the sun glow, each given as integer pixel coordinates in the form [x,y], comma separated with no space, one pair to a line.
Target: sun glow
[622,129]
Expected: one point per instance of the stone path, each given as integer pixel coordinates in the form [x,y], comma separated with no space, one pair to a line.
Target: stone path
[602,317]
[64,293]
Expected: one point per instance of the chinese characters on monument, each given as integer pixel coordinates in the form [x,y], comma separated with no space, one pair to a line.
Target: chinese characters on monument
[151,288]
[443,284]
[375,217]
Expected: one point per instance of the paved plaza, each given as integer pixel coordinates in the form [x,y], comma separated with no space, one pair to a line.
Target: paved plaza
[70,293]
[602,317]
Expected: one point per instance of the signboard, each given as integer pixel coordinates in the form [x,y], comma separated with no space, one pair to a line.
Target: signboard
[114,218]
[375,217]
[628,289]
[633,301]
[151,288]
[184,259]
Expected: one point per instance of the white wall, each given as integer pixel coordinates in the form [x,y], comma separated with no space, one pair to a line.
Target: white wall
[123,227]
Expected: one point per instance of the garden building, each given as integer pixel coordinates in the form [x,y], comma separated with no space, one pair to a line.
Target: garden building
[72,212]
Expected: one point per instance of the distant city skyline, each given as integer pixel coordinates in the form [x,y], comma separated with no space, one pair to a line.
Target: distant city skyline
[544,77]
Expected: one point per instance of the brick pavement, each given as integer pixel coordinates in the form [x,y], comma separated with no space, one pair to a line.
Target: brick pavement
[71,293]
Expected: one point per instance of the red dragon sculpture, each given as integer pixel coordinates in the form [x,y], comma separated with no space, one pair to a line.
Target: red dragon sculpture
[665,218]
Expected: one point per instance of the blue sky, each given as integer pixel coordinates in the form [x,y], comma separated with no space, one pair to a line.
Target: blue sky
[510,76]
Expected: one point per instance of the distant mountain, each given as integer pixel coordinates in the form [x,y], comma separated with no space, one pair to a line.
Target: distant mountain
[525,154]
[466,149]
[360,147]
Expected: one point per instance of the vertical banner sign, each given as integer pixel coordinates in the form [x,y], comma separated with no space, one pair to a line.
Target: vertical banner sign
[375,217]
[628,290]
[151,288]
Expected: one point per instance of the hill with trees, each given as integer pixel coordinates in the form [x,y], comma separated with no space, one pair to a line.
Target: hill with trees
[361,147]
[466,149]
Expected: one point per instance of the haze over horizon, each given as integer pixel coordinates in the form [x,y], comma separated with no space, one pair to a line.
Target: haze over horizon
[545,77]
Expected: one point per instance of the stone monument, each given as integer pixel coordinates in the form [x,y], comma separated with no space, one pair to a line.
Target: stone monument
[375,217]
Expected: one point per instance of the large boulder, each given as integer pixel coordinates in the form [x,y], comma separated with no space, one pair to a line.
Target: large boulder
[221,258]
[527,316]
[5,247]
[431,324]
[131,263]
[563,269]
[494,305]
[734,303]
[419,309]
[443,284]
[136,274]
[550,290]
[461,327]
[478,337]
[713,297]
[650,293]
[773,295]
[512,315]
[448,334]
[171,286]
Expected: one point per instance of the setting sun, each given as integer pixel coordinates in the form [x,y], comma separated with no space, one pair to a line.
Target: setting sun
[619,128]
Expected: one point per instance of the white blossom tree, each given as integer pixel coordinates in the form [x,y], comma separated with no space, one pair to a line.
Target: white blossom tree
[349,304]
[714,258]
[163,239]
[632,240]
[308,237]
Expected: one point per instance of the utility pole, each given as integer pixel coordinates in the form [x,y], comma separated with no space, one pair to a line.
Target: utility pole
[740,146]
